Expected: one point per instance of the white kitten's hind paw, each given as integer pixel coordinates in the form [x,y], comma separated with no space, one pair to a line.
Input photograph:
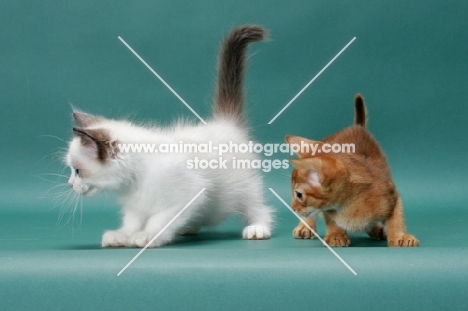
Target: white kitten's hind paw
[256,232]
[113,239]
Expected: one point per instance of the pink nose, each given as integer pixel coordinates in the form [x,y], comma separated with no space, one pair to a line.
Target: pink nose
[70,184]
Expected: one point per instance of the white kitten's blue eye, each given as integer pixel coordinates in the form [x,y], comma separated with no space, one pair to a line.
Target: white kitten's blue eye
[77,171]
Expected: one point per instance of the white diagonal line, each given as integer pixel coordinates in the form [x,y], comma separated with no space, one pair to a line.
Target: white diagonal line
[162,80]
[160,232]
[313,231]
[313,79]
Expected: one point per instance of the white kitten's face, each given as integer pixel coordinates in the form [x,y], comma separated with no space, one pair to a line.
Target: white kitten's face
[90,175]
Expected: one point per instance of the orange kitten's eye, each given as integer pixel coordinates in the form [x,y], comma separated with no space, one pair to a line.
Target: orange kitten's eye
[298,195]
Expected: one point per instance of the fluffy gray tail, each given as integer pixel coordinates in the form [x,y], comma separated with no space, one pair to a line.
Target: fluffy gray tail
[360,115]
[229,96]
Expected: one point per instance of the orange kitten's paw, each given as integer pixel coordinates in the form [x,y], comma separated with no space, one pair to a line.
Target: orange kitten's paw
[405,240]
[302,232]
[337,239]
[377,233]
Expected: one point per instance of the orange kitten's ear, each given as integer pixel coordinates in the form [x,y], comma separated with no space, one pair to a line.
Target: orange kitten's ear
[313,178]
[309,172]
[303,147]
[328,168]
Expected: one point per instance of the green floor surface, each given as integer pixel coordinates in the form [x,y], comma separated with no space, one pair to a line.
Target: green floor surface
[48,266]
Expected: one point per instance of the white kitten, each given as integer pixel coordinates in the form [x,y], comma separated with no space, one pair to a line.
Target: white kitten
[154,187]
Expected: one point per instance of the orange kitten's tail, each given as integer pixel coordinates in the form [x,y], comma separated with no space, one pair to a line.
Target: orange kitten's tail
[229,96]
[360,117]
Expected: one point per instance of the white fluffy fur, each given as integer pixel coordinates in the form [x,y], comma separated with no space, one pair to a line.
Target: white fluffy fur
[154,187]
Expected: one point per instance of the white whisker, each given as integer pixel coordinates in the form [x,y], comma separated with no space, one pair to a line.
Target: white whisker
[52,174]
[56,137]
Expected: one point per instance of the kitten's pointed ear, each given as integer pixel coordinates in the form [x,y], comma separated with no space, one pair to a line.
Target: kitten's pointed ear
[309,170]
[303,147]
[97,141]
[84,119]
[314,178]
[86,136]
[328,169]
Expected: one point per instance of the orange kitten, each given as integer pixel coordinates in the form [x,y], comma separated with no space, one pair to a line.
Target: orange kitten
[354,191]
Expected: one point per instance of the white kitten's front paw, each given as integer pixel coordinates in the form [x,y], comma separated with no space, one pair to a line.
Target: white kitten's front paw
[141,239]
[256,232]
[113,239]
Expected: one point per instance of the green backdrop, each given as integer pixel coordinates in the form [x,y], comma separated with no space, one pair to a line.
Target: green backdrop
[409,61]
